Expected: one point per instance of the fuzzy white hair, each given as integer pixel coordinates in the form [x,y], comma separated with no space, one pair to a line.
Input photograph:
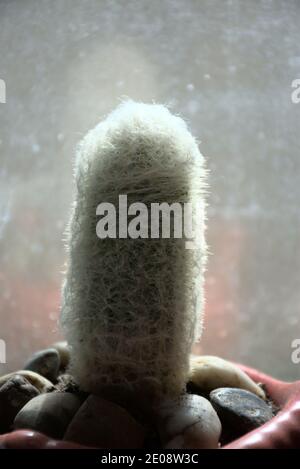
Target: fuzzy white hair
[132,308]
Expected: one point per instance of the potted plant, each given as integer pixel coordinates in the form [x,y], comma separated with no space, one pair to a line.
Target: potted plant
[132,305]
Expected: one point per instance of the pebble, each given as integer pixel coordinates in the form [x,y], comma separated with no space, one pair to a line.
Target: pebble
[208,373]
[46,363]
[41,383]
[188,423]
[64,353]
[48,413]
[14,394]
[138,397]
[104,424]
[240,411]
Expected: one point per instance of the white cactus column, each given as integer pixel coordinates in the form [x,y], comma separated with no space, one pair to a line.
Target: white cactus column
[132,308]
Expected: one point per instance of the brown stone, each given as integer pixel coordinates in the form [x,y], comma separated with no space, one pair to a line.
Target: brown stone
[104,424]
[14,394]
[48,413]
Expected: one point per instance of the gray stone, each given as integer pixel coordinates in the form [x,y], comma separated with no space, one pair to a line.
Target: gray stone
[188,423]
[46,363]
[14,394]
[104,424]
[38,381]
[240,411]
[48,413]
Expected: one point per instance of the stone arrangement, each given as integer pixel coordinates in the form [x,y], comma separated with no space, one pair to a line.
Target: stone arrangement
[221,403]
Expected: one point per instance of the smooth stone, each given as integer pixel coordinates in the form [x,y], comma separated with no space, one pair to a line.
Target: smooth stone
[64,353]
[137,398]
[240,411]
[46,363]
[188,423]
[48,413]
[208,373]
[38,381]
[14,394]
[104,424]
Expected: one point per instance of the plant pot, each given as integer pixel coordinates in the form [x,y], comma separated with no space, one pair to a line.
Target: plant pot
[282,432]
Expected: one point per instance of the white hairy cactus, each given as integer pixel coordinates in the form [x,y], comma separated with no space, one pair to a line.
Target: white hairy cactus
[132,308]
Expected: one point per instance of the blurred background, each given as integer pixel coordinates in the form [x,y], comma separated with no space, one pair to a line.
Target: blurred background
[227,68]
